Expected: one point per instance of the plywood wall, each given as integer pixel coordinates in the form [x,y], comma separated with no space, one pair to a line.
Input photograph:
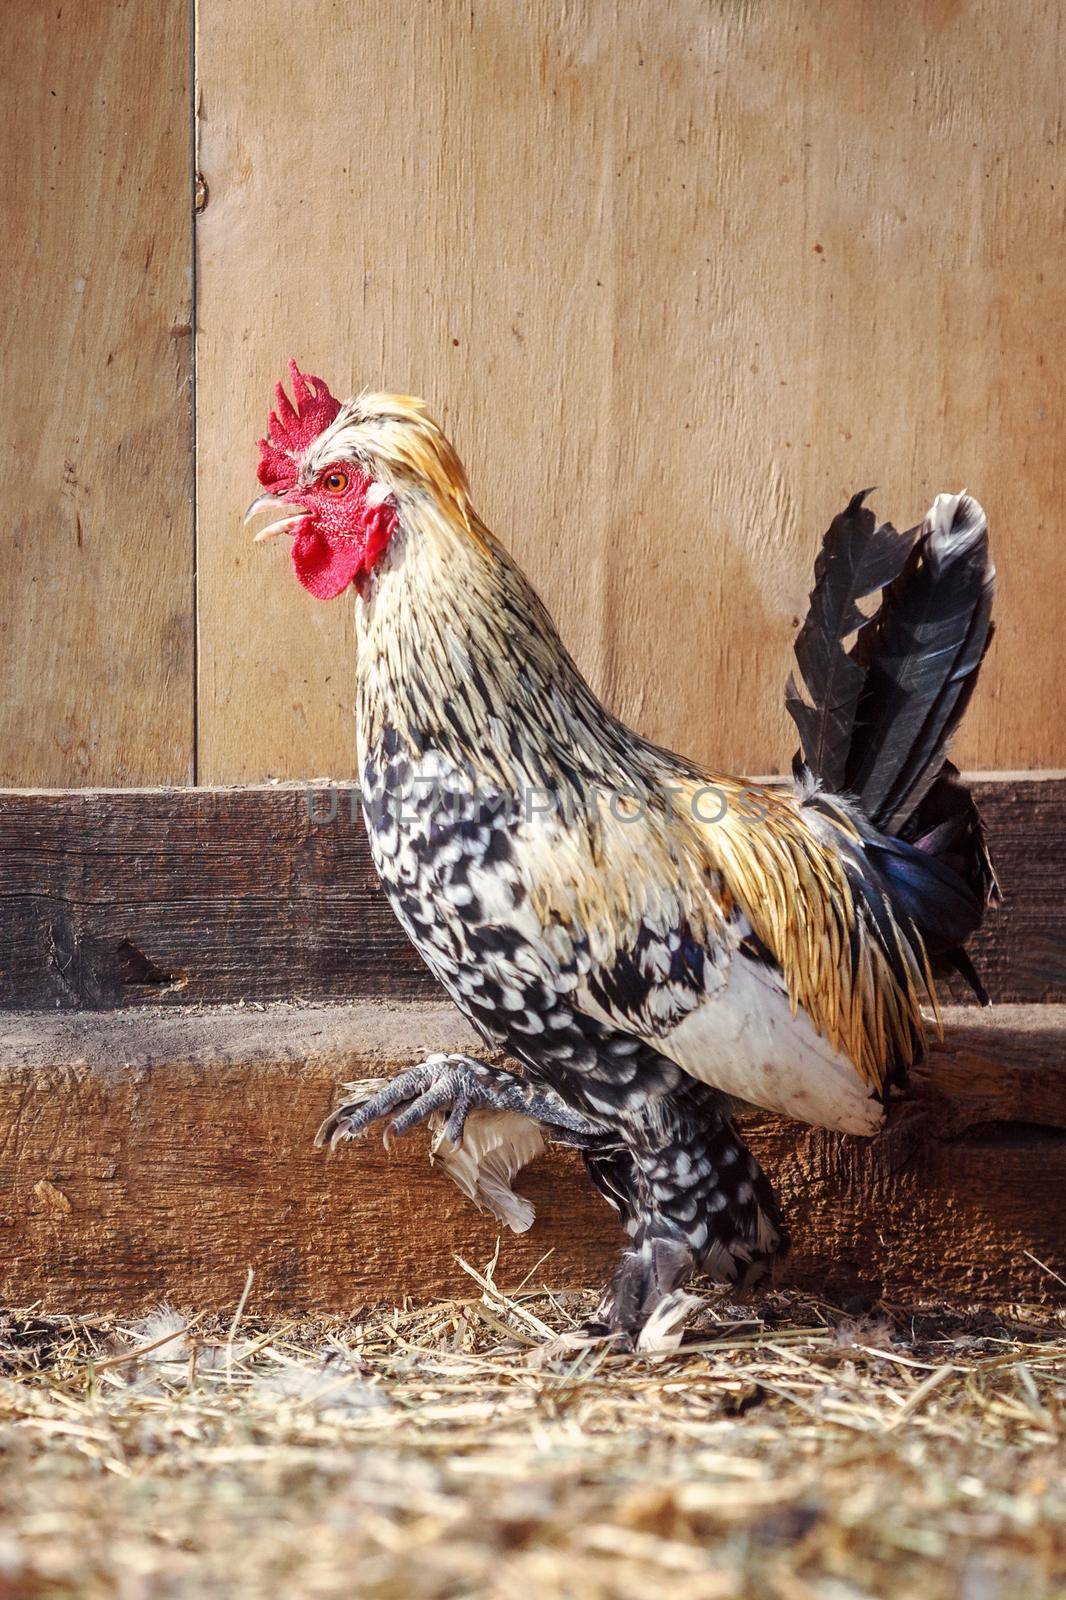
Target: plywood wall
[678,278]
[96,553]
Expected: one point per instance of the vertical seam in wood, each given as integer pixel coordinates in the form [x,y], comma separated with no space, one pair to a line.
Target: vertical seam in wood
[194,168]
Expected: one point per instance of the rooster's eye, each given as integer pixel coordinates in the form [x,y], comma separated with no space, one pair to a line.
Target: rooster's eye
[335,482]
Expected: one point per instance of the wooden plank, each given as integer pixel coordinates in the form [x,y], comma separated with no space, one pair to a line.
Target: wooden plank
[678,278]
[96,584]
[150,1155]
[177,896]
[169,897]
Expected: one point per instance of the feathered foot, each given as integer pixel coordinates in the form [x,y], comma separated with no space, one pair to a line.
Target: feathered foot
[645,1307]
[452,1086]
[692,1198]
[487,1125]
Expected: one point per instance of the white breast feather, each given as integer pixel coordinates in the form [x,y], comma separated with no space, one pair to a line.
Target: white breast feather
[744,1040]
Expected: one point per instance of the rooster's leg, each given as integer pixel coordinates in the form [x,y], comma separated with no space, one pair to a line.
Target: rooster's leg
[692,1199]
[451,1086]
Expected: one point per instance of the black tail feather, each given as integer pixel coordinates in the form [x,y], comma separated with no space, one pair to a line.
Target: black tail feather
[881,714]
[920,657]
[857,558]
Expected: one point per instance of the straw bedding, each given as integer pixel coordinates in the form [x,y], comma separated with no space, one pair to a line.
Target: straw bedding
[791,1450]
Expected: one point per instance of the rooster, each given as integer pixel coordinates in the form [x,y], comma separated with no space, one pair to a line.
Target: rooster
[650,941]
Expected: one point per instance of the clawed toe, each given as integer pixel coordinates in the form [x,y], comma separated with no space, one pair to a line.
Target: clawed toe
[440,1084]
[346,1120]
[375,1099]
[449,1088]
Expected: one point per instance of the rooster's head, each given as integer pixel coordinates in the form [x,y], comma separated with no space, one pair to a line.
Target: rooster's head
[342,477]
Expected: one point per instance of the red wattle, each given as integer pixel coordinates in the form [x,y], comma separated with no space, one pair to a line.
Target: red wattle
[325,566]
[327,560]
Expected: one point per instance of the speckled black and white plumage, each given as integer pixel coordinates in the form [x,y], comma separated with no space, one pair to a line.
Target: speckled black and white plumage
[664,1151]
[644,956]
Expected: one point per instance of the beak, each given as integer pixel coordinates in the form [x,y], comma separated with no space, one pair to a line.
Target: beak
[286,524]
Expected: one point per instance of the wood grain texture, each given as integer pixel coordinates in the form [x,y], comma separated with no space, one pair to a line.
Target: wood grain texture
[96,603]
[151,1155]
[678,278]
[170,897]
[177,896]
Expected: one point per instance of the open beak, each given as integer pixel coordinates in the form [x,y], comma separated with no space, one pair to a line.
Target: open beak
[286,524]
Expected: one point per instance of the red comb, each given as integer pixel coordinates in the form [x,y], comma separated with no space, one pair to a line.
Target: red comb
[292,427]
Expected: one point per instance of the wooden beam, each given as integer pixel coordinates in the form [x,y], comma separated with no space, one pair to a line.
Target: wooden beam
[168,897]
[151,1154]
